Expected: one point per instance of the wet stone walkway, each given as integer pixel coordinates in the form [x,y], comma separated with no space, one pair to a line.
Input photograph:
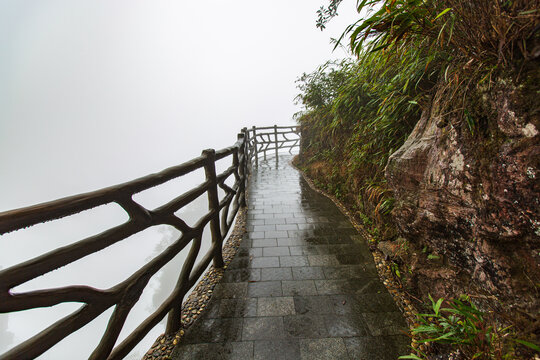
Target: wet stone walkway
[303,285]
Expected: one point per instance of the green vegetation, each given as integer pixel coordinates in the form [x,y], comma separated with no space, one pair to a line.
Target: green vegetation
[407,57]
[468,330]
[407,53]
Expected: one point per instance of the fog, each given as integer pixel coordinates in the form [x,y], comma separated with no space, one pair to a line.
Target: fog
[94,93]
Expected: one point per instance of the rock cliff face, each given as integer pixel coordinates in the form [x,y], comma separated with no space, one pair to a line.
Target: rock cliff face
[470,192]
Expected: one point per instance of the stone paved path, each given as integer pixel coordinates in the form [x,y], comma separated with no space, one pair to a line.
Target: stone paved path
[303,285]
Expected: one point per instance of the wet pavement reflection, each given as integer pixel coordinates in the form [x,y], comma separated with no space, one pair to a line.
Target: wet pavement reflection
[303,285]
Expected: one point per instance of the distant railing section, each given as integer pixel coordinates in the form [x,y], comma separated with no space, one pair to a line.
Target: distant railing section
[270,139]
[124,295]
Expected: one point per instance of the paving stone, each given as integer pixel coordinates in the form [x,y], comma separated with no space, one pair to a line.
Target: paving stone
[307,273]
[305,326]
[345,305]
[263,216]
[238,308]
[214,330]
[264,227]
[377,347]
[275,221]
[385,323]
[336,249]
[290,242]
[277,349]
[213,351]
[276,251]
[382,302]
[350,259]
[345,326]
[275,234]
[264,289]
[344,241]
[265,262]
[275,306]
[263,328]
[287,227]
[300,234]
[246,243]
[255,251]
[323,349]
[316,305]
[257,235]
[230,290]
[299,287]
[296,221]
[241,275]
[284,273]
[298,260]
[265,242]
[212,309]
[366,286]
[304,250]
[239,263]
[347,231]
[349,272]
[322,260]
[329,287]
[241,252]
[256,222]
[283,216]
[316,240]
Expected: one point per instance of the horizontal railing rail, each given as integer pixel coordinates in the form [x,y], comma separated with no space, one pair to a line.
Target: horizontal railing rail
[123,296]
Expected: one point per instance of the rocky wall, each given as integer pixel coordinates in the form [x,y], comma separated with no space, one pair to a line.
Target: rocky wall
[469,190]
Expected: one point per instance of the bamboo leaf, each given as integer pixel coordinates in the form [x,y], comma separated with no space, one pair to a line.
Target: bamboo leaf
[442,13]
[528,344]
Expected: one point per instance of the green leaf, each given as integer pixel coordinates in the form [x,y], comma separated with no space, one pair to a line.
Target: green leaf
[528,12]
[384,46]
[442,13]
[437,305]
[528,344]
[411,356]
[425,329]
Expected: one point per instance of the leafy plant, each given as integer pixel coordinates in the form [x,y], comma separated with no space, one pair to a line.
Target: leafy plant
[463,42]
[463,326]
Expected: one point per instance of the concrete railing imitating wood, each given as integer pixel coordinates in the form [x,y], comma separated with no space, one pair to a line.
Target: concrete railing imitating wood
[124,295]
[266,139]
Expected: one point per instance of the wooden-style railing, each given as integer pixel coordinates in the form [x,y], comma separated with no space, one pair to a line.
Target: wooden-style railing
[123,296]
[265,139]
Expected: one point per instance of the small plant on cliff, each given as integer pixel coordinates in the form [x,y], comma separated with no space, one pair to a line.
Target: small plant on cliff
[463,326]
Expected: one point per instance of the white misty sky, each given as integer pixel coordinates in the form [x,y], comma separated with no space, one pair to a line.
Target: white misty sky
[98,92]
[94,93]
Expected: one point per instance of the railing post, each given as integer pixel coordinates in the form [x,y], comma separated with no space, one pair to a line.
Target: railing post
[241,154]
[276,141]
[213,205]
[255,145]
[247,152]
